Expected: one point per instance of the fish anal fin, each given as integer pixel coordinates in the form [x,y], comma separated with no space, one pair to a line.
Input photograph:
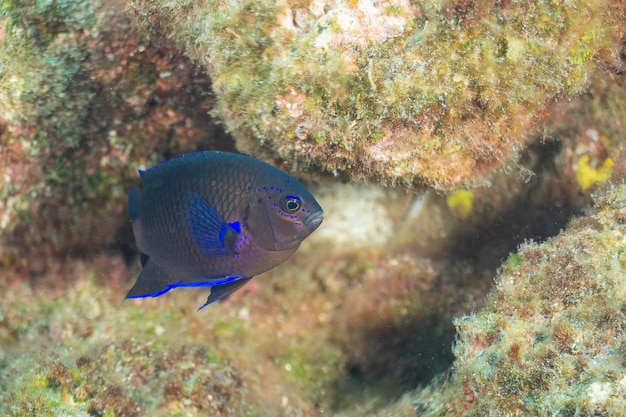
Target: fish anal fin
[209,231]
[220,291]
[152,282]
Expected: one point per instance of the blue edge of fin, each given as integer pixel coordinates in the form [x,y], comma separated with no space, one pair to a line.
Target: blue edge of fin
[213,283]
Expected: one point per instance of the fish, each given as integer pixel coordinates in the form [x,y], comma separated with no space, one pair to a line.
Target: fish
[215,219]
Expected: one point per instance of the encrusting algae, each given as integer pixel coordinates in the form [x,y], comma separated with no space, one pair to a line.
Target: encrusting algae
[431,93]
[550,339]
[121,379]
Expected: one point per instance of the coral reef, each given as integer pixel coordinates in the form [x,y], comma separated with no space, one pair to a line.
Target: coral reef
[550,339]
[75,349]
[121,379]
[84,105]
[84,100]
[434,93]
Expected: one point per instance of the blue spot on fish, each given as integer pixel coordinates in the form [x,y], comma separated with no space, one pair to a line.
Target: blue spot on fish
[236,226]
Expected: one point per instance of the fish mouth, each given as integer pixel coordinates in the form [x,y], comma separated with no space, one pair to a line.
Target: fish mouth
[314,219]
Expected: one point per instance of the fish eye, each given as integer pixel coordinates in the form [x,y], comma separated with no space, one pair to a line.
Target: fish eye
[290,204]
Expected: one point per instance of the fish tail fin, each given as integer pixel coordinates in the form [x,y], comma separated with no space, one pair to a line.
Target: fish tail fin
[134,212]
[152,282]
[134,202]
[143,258]
[220,291]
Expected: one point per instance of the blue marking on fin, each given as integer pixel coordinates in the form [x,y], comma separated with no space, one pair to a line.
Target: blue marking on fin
[208,283]
[222,234]
[155,294]
[209,231]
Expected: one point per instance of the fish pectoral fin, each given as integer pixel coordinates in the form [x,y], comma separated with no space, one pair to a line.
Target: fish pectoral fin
[152,282]
[220,291]
[209,231]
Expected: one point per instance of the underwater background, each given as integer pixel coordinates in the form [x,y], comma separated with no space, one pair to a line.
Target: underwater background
[469,158]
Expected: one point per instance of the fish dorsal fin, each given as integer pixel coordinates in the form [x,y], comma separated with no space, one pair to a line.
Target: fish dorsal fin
[209,231]
[220,291]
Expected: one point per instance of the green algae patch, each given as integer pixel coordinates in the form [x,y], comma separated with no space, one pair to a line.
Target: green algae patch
[513,260]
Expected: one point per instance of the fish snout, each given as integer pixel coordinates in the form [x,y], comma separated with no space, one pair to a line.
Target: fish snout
[313,220]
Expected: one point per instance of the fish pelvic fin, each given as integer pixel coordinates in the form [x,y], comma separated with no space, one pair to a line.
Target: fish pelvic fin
[209,231]
[152,282]
[220,291]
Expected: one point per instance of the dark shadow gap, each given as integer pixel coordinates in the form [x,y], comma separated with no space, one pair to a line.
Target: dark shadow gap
[393,359]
